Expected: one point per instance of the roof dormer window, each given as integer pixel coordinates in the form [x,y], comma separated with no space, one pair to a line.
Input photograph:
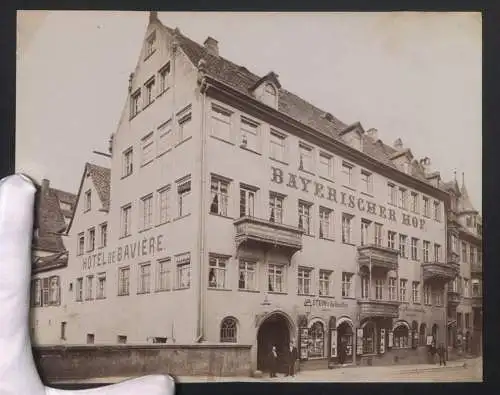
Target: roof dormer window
[269,95]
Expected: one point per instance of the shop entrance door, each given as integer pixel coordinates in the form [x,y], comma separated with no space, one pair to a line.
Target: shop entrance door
[274,331]
[344,339]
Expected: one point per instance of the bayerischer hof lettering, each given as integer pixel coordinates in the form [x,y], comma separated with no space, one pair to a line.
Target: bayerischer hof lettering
[346,199]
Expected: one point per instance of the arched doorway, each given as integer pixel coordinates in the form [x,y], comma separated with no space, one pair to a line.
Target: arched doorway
[274,331]
[401,335]
[344,339]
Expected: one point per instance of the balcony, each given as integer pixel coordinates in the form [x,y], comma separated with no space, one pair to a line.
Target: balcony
[453,298]
[439,271]
[378,256]
[256,231]
[369,308]
[476,269]
[453,258]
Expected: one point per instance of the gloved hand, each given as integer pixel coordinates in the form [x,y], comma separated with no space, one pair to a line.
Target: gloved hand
[18,375]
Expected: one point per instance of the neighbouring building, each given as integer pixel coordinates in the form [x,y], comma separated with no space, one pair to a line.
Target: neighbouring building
[234,211]
[465,292]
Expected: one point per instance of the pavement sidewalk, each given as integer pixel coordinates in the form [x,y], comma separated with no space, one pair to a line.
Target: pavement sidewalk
[339,374]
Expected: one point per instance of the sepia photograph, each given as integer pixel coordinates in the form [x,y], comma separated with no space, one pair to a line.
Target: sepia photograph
[253,197]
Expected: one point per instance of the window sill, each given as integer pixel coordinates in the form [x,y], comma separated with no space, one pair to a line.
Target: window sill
[162,223]
[306,171]
[183,141]
[123,294]
[149,104]
[181,217]
[249,290]
[367,194]
[349,187]
[134,115]
[163,92]
[349,297]
[349,244]
[163,290]
[279,161]
[250,150]
[100,298]
[326,238]
[146,163]
[329,179]
[327,296]
[143,293]
[125,236]
[277,293]
[223,140]
[145,229]
[149,54]
[125,176]
[86,210]
[309,295]
[180,289]
[218,289]
[163,153]
[308,234]
[221,215]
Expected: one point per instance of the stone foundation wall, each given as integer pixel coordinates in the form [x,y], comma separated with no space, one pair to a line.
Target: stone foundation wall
[83,362]
[403,356]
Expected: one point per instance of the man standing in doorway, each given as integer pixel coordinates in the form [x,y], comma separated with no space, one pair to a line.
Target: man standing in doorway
[292,355]
[273,362]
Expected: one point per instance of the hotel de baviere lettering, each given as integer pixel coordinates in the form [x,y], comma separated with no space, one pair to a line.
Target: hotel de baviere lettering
[235,212]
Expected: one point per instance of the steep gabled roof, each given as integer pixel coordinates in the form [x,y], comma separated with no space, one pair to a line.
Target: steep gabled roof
[464,202]
[101,179]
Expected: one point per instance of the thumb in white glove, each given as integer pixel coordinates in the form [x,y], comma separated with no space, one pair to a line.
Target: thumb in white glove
[18,375]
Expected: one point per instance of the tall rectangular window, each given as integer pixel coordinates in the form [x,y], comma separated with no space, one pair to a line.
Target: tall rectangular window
[476,288]
[220,196]
[79,289]
[347,288]
[164,78]
[415,287]
[414,248]
[325,282]
[163,275]
[347,174]
[391,239]
[437,253]
[403,201]
[150,45]
[464,252]
[472,251]
[135,100]
[37,292]
[55,291]
[277,146]
[184,197]
[403,240]
[144,278]
[123,281]
[149,87]
[247,201]
[325,165]
[88,200]
[250,134]
[378,235]
[437,211]
[392,193]
[427,206]
[165,137]
[379,289]
[101,286]
[366,181]
[247,277]
[146,212]
[217,271]
[305,216]
[276,207]
[183,266]
[126,219]
[163,205]
[184,124]
[402,289]
[221,123]
[425,250]
[81,243]
[365,231]
[89,295]
[305,157]
[91,239]
[147,149]
[427,295]
[104,235]
[365,287]
[325,223]
[128,162]
[466,288]
[304,281]
[414,203]
[392,288]
[347,228]
[275,277]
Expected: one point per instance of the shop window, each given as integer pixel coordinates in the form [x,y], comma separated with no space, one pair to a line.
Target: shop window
[401,337]
[317,340]
[228,330]
[369,338]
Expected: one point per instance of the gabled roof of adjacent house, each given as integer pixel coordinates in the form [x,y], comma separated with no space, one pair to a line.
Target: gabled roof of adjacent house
[242,80]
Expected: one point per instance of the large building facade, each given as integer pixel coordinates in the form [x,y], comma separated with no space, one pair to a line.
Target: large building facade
[234,211]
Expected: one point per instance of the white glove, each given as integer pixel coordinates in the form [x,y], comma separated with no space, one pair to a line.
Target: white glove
[18,375]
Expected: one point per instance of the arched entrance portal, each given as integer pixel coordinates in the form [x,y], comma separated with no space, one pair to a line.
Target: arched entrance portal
[345,340]
[274,331]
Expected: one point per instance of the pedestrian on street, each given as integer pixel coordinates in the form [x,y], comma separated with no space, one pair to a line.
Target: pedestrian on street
[291,359]
[442,355]
[342,352]
[273,362]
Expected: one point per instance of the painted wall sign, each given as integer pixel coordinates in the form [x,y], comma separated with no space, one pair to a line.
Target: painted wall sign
[346,199]
[359,341]
[382,341]
[390,340]
[333,343]
[304,343]
[141,248]
[324,303]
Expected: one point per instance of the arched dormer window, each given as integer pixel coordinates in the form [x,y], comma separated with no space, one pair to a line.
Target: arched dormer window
[228,330]
[269,95]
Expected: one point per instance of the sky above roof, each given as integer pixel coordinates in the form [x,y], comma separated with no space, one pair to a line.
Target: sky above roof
[414,76]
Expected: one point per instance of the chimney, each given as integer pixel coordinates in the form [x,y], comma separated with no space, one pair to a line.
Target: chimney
[373,133]
[212,46]
[45,185]
[425,163]
[153,16]
[328,116]
[398,144]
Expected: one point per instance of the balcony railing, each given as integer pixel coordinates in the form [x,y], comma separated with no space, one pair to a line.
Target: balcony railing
[270,234]
[378,256]
[453,297]
[378,308]
[440,271]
